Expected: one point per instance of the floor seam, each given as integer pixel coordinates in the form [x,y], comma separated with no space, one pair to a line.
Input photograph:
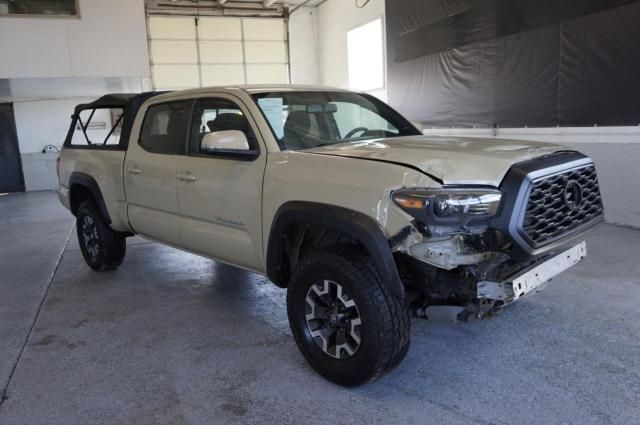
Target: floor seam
[3,393]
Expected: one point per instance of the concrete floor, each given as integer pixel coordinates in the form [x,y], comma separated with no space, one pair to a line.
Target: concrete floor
[170,338]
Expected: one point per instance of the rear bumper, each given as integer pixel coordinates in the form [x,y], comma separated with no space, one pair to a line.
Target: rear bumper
[532,278]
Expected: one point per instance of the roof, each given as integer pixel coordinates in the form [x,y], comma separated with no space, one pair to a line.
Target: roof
[257,88]
[117,100]
[250,88]
[114,100]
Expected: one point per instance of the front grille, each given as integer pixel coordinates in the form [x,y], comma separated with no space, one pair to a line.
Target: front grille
[551,210]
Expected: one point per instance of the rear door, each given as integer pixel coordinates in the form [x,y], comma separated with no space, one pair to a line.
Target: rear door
[10,166]
[220,191]
[150,171]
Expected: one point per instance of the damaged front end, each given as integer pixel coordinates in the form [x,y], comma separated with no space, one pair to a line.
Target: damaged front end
[471,250]
[441,272]
[470,276]
[448,249]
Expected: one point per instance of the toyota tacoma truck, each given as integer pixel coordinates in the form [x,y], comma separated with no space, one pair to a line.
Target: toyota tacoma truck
[334,196]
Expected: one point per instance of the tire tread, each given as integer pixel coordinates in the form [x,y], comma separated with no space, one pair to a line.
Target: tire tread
[397,320]
[395,323]
[114,243]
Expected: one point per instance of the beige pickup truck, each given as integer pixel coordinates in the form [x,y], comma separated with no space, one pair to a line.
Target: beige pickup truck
[336,197]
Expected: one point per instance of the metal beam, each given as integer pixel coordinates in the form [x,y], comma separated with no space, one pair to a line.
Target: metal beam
[304,3]
[268,3]
[213,8]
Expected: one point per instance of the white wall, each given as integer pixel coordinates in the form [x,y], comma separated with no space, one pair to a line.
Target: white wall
[109,40]
[40,123]
[49,65]
[303,48]
[43,106]
[335,18]
[42,110]
[43,122]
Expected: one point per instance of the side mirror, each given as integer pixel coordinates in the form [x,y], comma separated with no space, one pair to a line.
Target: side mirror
[224,140]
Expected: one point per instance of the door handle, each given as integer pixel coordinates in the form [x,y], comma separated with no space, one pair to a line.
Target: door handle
[134,170]
[187,177]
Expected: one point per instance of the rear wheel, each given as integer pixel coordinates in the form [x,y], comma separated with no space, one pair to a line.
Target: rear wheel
[102,247]
[347,324]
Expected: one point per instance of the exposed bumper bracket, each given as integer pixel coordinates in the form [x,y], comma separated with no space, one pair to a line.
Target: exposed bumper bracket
[531,278]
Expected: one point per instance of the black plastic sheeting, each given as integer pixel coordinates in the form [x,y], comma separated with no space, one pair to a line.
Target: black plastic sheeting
[514,63]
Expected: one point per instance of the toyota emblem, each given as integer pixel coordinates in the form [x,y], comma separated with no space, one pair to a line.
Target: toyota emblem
[572,195]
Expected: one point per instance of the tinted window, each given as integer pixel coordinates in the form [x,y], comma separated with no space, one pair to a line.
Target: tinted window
[213,115]
[164,128]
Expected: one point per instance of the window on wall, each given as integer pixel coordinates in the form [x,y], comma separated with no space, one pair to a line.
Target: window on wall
[39,7]
[216,51]
[365,51]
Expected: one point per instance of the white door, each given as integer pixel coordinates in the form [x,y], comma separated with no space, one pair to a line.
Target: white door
[187,52]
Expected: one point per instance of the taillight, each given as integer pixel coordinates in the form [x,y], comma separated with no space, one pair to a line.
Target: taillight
[58,167]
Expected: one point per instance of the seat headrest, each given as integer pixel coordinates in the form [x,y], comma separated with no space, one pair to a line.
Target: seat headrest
[229,121]
[297,123]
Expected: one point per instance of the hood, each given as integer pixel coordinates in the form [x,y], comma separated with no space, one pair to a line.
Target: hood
[452,160]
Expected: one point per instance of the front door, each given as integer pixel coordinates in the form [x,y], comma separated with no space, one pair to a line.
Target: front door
[10,166]
[150,171]
[220,190]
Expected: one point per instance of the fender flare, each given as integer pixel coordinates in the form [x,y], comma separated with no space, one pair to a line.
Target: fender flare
[85,180]
[355,224]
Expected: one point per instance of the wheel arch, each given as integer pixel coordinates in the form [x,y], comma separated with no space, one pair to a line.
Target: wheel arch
[296,216]
[83,186]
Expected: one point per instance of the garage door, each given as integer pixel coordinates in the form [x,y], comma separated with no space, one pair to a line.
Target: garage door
[208,51]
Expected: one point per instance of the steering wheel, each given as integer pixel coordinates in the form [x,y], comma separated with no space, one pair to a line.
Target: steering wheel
[354,131]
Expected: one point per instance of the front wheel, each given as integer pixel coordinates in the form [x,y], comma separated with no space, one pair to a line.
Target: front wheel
[347,324]
[102,247]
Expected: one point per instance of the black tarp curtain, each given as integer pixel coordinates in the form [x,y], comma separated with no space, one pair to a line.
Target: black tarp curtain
[514,63]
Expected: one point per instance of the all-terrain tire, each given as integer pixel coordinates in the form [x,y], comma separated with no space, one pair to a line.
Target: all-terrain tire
[102,247]
[385,327]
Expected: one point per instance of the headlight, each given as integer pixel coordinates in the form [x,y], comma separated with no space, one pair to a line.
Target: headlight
[460,206]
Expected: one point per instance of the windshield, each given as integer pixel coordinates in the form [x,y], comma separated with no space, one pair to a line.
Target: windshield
[309,119]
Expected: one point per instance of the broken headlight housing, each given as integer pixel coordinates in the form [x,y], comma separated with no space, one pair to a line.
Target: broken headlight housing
[449,210]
